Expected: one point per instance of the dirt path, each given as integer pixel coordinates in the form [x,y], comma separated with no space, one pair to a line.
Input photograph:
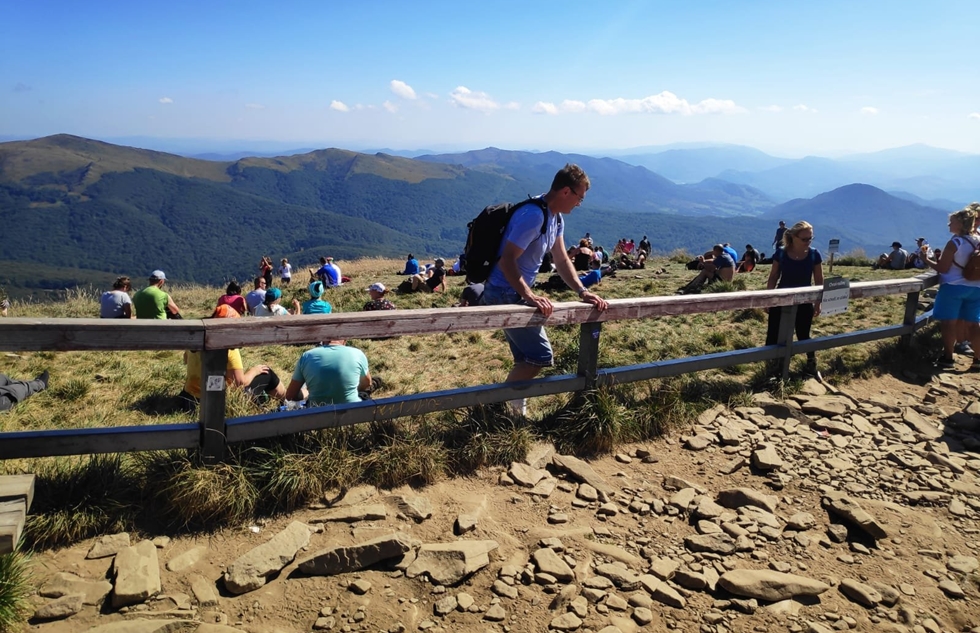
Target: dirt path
[918,484]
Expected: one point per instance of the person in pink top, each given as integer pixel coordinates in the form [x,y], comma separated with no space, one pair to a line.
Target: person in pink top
[233,297]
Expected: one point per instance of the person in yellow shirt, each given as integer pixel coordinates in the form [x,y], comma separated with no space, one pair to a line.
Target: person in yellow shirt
[260,381]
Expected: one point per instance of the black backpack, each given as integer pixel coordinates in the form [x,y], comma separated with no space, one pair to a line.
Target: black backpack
[486,232]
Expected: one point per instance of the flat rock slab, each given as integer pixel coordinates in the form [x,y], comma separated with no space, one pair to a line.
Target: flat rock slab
[920,425]
[415,508]
[548,562]
[65,583]
[524,475]
[108,545]
[737,497]
[864,595]
[719,543]
[963,564]
[449,563]
[540,454]
[183,562]
[342,560]
[357,496]
[765,457]
[61,608]
[137,573]
[353,513]
[622,577]
[849,510]
[251,570]
[661,591]
[772,586]
[581,471]
[827,406]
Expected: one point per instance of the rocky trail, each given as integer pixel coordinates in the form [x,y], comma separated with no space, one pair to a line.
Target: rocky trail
[851,509]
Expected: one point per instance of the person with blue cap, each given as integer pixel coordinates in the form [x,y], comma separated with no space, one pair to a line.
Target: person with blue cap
[316,304]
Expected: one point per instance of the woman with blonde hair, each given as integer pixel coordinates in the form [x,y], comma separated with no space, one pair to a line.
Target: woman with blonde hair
[796,265]
[958,300]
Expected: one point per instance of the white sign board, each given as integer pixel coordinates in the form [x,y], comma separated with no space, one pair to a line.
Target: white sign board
[836,292]
[834,246]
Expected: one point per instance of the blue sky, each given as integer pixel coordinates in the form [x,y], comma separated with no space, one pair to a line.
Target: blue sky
[788,77]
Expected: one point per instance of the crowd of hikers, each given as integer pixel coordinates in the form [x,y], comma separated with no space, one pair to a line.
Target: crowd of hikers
[336,373]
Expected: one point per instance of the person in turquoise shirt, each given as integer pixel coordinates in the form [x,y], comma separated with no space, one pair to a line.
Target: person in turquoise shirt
[316,305]
[152,302]
[333,374]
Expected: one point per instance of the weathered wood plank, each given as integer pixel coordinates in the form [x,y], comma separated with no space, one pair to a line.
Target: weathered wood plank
[17,487]
[287,422]
[64,335]
[121,439]
[13,515]
[20,334]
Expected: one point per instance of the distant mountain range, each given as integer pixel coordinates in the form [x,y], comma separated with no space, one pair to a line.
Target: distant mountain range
[79,209]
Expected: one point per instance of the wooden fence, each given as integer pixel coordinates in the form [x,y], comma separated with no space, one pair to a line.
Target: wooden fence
[213,337]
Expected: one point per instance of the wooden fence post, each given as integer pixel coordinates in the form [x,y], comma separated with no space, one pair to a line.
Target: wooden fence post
[214,365]
[787,327]
[588,353]
[911,305]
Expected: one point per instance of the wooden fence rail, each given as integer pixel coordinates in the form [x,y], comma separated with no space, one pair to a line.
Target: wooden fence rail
[213,337]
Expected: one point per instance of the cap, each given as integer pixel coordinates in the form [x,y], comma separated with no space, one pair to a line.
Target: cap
[377,287]
[158,275]
[896,244]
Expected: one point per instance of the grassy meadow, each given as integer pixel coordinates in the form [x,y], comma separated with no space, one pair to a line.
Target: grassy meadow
[167,491]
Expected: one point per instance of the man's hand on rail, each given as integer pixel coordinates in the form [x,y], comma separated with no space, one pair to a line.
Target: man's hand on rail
[599,303]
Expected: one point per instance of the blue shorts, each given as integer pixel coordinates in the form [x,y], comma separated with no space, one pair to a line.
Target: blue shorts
[529,345]
[956,301]
[591,278]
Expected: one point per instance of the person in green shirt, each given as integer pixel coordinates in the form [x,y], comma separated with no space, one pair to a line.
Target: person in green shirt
[152,302]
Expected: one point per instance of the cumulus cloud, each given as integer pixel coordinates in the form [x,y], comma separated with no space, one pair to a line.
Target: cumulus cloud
[463,97]
[255,106]
[804,108]
[974,115]
[402,89]
[869,110]
[543,107]
[22,87]
[166,100]
[390,107]
[339,106]
[663,103]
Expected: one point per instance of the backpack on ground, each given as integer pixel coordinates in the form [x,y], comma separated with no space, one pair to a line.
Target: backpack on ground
[486,232]
[971,270]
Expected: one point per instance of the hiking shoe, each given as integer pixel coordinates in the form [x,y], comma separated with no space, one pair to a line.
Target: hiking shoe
[44,379]
[963,347]
[945,363]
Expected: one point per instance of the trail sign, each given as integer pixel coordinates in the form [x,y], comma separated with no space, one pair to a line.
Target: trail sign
[834,246]
[836,293]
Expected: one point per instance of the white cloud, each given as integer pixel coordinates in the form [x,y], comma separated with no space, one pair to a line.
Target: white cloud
[663,103]
[543,107]
[255,106]
[870,110]
[772,108]
[804,108]
[463,97]
[339,106]
[431,95]
[166,100]
[402,89]
[390,107]
[512,105]
[974,115]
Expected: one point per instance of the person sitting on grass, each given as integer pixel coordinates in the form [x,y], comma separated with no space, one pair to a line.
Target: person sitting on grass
[894,260]
[411,265]
[378,301]
[116,304]
[750,258]
[434,279]
[721,268]
[14,391]
[255,298]
[259,382]
[470,296]
[328,273]
[152,302]
[333,373]
[315,304]
[270,305]
[233,297]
